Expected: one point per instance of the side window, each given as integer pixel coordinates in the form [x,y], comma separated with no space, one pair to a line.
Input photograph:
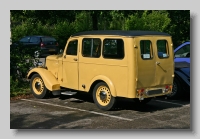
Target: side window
[162,48]
[113,48]
[91,47]
[183,51]
[72,47]
[25,39]
[34,39]
[146,49]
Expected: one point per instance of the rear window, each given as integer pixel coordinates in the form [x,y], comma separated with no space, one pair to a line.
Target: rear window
[48,39]
[162,48]
[146,49]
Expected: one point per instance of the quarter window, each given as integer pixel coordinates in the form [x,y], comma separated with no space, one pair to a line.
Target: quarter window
[146,49]
[113,48]
[91,47]
[72,47]
[162,48]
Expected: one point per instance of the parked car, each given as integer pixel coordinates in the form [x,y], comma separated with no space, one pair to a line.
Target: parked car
[181,84]
[182,52]
[97,62]
[47,45]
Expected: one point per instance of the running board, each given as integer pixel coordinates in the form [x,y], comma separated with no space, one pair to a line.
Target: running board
[69,93]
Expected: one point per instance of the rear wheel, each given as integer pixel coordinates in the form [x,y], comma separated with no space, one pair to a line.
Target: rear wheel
[102,96]
[38,87]
[176,90]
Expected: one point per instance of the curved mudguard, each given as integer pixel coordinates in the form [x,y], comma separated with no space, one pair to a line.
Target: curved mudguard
[107,81]
[49,79]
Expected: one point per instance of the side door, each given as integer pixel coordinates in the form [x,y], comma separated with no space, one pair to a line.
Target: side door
[70,65]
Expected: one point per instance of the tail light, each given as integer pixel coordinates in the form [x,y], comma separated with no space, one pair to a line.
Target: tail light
[57,44]
[167,88]
[41,44]
[141,92]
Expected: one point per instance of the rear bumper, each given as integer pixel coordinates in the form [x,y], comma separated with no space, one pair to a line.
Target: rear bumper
[153,92]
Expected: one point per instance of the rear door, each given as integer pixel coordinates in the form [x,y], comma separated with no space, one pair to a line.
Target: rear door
[164,61]
[155,61]
[145,62]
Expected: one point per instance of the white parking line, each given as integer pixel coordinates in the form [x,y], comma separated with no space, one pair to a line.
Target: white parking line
[97,113]
[172,103]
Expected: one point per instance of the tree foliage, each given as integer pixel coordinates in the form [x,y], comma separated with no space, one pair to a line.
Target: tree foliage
[61,24]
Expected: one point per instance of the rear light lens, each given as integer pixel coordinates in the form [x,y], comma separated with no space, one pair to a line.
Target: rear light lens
[141,92]
[57,44]
[42,44]
[167,88]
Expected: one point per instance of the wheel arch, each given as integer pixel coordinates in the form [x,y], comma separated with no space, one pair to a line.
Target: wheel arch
[106,80]
[49,79]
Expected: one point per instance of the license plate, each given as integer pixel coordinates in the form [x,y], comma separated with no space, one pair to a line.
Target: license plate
[51,50]
[155,92]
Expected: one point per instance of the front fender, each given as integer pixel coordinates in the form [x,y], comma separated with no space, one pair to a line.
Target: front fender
[107,81]
[49,79]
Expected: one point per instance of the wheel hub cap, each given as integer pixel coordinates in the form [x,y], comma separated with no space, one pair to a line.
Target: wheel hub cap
[37,85]
[103,95]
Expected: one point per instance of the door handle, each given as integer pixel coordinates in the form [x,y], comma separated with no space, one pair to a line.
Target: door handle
[158,63]
[75,59]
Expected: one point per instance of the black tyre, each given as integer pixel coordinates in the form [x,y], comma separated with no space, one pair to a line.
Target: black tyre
[102,97]
[38,87]
[176,90]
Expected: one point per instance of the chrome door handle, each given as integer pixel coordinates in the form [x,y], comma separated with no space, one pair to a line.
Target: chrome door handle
[75,59]
[158,63]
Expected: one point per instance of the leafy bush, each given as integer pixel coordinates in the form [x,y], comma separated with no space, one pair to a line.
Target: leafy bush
[156,21]
[21,60]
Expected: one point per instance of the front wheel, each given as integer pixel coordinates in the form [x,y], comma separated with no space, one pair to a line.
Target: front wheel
[102,96]
[38,87]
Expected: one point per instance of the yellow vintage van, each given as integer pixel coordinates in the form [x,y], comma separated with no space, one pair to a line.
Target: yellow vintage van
[109,63]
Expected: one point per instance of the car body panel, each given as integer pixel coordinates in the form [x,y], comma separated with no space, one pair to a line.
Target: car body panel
[182,71]
[131,71]
[49,79]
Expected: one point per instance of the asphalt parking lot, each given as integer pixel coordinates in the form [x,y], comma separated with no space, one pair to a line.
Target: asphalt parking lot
[79,112]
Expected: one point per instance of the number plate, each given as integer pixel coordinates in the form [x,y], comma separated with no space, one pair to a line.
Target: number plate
[154,92]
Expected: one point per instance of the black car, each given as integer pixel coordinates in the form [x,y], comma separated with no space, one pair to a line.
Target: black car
[46,45]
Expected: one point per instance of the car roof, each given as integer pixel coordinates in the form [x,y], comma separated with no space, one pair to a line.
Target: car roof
[121,33]
[183,44]
[38,36]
